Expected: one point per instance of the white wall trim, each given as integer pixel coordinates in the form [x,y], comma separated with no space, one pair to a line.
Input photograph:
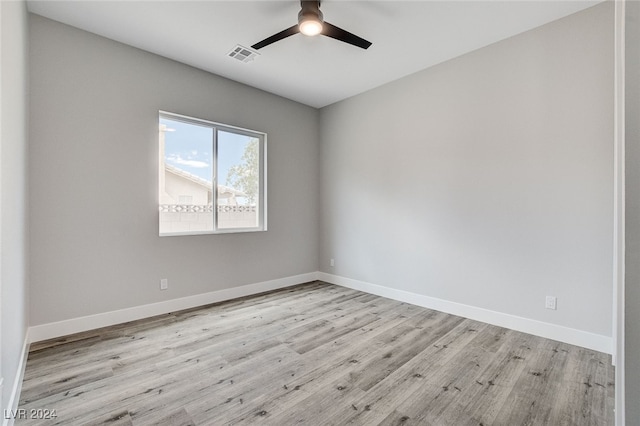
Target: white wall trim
[538,328]
[619,213]
[14,399]
[550,331]
[76,325]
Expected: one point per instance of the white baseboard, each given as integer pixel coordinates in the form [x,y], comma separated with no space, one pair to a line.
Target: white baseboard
[76,325]
[14,398]
[538,328]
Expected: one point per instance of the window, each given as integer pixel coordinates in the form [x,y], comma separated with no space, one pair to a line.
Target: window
[197,156]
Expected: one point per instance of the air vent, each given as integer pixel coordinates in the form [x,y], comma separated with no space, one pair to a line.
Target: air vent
[243,54]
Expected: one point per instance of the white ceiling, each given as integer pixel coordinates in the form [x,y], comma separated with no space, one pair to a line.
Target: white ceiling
[407,36]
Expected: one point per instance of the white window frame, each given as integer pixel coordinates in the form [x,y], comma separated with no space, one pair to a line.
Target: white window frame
[262,162]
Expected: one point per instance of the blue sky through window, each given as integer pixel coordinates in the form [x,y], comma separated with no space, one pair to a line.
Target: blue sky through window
[189,146]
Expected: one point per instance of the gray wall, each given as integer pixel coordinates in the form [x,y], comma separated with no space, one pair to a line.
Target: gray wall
[632,152]
[486,180]
[94,179]
[13,190]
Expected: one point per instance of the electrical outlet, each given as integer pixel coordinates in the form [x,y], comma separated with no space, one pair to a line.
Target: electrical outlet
[164,284]
[332,263]
[550,302]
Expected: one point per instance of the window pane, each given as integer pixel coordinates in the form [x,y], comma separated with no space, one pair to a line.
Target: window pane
[211,177]
[239,180]
[185,177]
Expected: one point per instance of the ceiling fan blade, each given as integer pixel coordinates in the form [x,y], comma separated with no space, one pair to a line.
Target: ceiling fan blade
[339,34]
[277,37]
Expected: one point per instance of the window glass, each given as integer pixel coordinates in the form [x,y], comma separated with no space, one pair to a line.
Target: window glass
[239,170]
[197,156]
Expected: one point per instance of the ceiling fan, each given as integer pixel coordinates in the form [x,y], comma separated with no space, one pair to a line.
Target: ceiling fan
[311,23]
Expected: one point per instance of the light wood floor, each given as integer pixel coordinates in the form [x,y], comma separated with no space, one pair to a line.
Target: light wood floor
[315,354]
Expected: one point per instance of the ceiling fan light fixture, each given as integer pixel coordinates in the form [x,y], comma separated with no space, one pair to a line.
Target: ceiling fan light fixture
[310,18]
[310,27]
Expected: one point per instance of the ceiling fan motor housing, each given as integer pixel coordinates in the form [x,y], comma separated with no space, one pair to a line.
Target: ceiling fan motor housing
[310,11]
